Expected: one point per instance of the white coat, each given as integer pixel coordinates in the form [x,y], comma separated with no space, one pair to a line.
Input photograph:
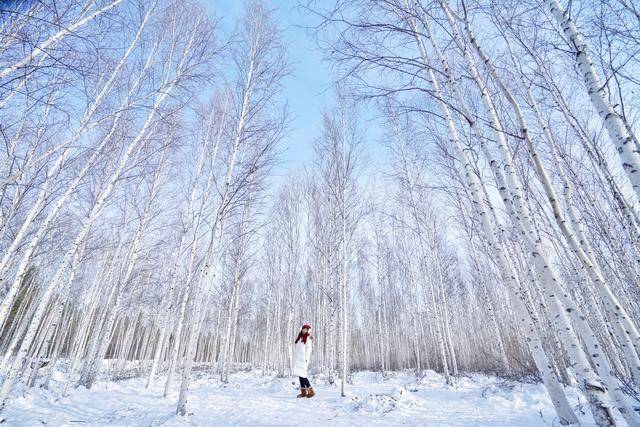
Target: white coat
[301,355]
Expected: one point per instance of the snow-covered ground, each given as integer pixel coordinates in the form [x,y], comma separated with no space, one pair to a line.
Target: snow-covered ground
[257,399]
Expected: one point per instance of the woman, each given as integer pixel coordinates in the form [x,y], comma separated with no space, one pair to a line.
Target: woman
[301,355]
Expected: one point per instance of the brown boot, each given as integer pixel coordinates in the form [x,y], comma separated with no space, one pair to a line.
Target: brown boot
[310,392]
[303,392]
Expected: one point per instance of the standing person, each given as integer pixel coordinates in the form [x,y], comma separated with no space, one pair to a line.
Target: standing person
[301,355]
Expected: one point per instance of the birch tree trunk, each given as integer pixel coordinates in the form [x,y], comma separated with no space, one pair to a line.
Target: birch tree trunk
[96,209]
[563,409]
[619,134]
[54,39]
[212,250]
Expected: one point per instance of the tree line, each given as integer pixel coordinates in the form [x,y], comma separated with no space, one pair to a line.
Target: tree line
[494,230]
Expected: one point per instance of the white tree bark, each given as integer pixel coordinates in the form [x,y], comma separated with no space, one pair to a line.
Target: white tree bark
[622,139]
[165,328]
[554,389]
[96,209]
[212,251]
[54,169]
[612,305]
[54,39]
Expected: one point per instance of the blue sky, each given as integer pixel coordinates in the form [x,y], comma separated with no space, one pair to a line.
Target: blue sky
[309,88]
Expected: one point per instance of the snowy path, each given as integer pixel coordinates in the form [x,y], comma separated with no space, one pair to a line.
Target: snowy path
[253,399]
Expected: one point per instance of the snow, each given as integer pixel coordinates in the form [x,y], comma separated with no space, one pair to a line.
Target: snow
[257,398]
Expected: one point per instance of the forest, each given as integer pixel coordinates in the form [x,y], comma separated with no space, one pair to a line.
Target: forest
[470,205]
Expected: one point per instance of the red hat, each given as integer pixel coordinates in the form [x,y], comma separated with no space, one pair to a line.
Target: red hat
[306,325]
